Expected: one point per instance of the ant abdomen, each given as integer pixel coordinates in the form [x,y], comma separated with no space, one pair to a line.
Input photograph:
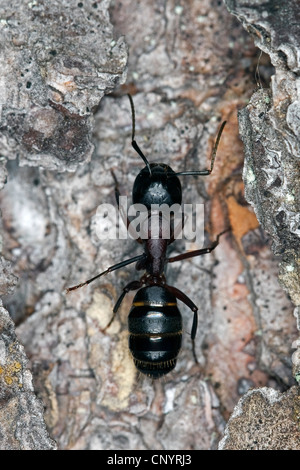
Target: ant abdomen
[155,331]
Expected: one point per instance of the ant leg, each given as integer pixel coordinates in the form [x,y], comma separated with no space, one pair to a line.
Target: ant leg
[212,157]
[188,302]
[181,296]
[109,270]
[202,251]
[124,216]
[134,285]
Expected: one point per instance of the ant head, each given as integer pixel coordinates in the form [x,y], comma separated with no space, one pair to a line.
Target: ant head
[161,186]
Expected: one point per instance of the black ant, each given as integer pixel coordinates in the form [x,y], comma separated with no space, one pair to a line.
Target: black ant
[154,321]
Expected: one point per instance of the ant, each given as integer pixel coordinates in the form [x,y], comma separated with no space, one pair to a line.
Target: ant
[154,321]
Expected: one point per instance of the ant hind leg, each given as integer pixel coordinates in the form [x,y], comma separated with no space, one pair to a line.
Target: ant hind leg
[189,303]
[134,285]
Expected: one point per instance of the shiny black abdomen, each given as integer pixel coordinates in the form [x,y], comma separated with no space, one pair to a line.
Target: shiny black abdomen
[155,331]
[163,187]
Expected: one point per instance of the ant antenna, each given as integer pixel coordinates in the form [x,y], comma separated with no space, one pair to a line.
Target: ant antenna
[133,142]
[214,151]
[212,158]
[257,74]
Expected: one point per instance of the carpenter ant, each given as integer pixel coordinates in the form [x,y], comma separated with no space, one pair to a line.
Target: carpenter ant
[154,322]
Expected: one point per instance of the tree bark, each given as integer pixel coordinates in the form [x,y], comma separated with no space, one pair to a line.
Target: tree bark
[269,128]
[190,66]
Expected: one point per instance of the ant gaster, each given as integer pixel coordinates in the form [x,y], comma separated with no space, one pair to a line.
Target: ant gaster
[154,321]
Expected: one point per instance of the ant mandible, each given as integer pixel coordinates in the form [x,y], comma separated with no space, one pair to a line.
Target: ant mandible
[154,321]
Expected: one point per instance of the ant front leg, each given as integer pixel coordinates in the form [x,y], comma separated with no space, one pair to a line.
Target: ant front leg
[124,216]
